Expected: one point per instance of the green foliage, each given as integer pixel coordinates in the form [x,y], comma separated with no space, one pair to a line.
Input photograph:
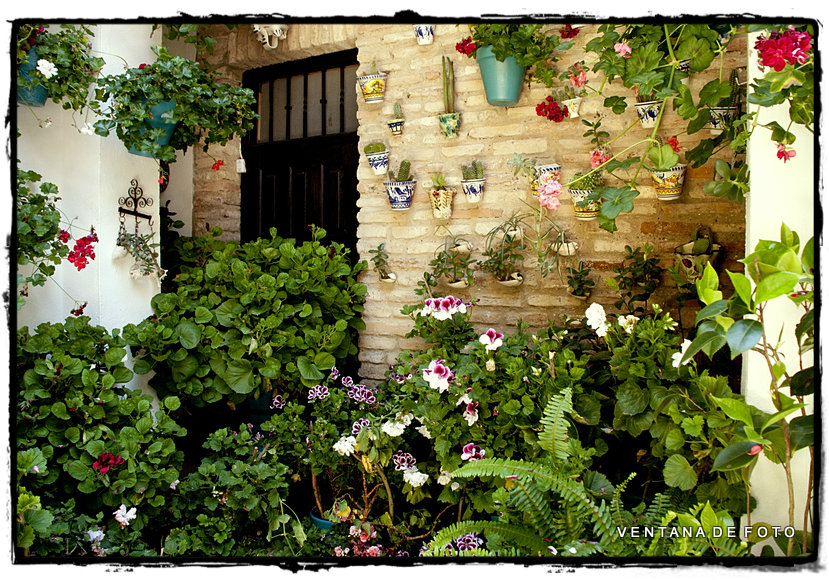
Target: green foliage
[375,147]
[503,251]
[448,83]
[438,181]
[474,170]
[68,48]
[269,311]
[636,279]
[205,111]
[578,280]
[452,262]
[402,173]
[379,259]
[590,181]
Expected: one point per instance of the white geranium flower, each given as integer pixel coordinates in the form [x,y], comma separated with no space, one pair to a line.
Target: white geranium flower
[95,535]
[677,356]
[423,430]
[455,485]
[444,477]
[46,68]
[393,428]
[596,316]
[346,445]
[627,323]
[123,515]
[414,477]
[87,129]
[490,365]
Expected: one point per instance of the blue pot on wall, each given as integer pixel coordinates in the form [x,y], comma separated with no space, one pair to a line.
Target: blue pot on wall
[502,80]
[157,122]
[35,96]
[320,523]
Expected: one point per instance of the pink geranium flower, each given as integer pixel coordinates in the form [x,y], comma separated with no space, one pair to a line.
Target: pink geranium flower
[491,339]
[622,49]
[472,452]
[784,153]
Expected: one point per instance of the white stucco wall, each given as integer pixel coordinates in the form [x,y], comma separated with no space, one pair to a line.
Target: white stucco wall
[92,173]
[780,193]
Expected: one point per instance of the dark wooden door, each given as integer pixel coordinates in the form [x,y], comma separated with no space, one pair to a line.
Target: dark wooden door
[302,158]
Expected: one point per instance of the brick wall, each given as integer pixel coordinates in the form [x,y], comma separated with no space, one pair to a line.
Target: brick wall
[491,135]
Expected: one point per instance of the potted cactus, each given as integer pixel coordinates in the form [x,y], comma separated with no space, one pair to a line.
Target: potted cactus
[581,189]
[396,124]
[450,121]
[378,157]
[441,197]
[380,259]
[400,187]
[473,181]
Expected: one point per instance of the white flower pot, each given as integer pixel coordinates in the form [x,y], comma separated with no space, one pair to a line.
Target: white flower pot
[572,106]
[424,33]
[515,279]
[473,189]
[648,112]
[379,162]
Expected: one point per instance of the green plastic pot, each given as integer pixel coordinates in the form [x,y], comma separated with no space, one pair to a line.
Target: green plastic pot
[502,80]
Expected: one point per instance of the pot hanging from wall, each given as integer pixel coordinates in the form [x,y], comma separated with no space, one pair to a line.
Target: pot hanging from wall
[400,193]
[473,189]
[584,208]
[668,184]
[36,95]
[373,87]
[156,121]
[442,202]
[502,80]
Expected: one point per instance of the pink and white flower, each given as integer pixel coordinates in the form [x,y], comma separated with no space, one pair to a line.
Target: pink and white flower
[472,452]
[471,413]
[124,516]
[491,339]
[443,308]
[438,375]
[622,49]
[784,153]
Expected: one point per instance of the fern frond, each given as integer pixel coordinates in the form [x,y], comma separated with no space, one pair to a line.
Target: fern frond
[520,535]
[528,499]
[553,436]
[616,502]
[656,510]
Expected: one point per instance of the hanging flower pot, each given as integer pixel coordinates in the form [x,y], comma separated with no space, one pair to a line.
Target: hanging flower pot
[691,257]
[585,209]
[424,33]
[442,203]
[400,193]
[473,189]
[578,296]
[720,117]
[668,184]
[373,87]
[572,107]
[450,124]
[567,249]
[389,278]
[502,80]
[463,283]
[156,121]
[515,279]
[36,95]
[396,127]
[320,523]
[379,162]
[648,111]
[549,168]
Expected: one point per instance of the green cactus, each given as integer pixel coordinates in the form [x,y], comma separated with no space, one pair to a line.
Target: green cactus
[473,171]
[374,148]
[398,111]
[448,85]
[582,182]
[402,173]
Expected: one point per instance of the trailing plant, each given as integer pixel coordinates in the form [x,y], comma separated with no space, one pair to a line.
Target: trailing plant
[205,111]
[379,259]
[402,172]
[452,262]
[781,272]
[246,319]
[65,66]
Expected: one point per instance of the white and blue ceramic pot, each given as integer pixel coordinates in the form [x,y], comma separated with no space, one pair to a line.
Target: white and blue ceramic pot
[400,193]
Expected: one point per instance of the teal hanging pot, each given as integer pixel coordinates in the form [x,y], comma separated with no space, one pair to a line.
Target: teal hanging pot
[502,80]
[157,122]
[36,95]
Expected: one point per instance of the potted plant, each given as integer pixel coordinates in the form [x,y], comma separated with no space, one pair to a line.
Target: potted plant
[505,52]
[450,121]
[473,181]
[647,109]
[396,124]
[379,259]
[691,257]
[56,65]
[378,157]
[578,281]
[667,173]
[453,263]
[400,188]
[424,33]
[164,107]
[569,100]
[503,251]
[582,187]
[727,109]
[373,85]
[441,197]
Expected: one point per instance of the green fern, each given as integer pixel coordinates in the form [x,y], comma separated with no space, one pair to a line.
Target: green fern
[553,437]
[519,535]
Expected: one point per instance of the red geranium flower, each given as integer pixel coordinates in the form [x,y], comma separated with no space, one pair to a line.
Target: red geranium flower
[107,461]
[466,46]
[784,153]
[674,143]
[83,250]
[79,310]
[216,166]
[63,236]
[550,109]
[568,31]
[780,49]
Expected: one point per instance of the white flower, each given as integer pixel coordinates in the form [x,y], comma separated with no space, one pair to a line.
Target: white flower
[46,68]
[596,316]
[627,323]
[393,428]
[414,477]
[464,399]
[677,356]
[438,375]
[123,515]
[471,413]
[346,445]
[444,477]
[45,123]
[491,339]
[405,419]
[490,365]
[95,535]
[601,330]
[174,484]
[455,485]
[423,430]
[87,129]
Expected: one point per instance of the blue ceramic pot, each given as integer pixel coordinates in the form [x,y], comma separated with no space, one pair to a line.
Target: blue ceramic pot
[324,525]
[157,122]
[35,96]
[400,194]
[502,80]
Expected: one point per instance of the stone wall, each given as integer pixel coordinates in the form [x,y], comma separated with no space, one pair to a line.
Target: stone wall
[492,135]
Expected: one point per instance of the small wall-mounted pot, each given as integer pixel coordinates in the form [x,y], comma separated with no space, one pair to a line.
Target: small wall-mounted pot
[572,107]
[373,87]
[458,284]
[390,278]
[379,162]
[441,200]
[473,189]
[668,184]
[648,112]
[450,124]
[424,33]
[515,279]
[400,193]
[720,117]
[396,127]
[584,208]
[567,249]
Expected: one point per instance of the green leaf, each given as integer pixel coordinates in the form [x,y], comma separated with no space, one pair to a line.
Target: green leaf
[734,456]
[802,432]
[779,416]
[308,369]
[630,399]
[707,342]
[114,355]
[189,334]
[711,310]
[679,473]
[59,411]
[78,470]
[239,376]
[324,360]
[736,409]
[743,335]
[742,286]
[172,403]
[803,382]
[203,315]
[774,285]
[143,425]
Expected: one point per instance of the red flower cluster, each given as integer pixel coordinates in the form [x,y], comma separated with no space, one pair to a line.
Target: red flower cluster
[107,461]
[83,251]
[780,49]
[466,46]
[568,32]
[549,108]
[79,310]
[674,143]
[216,166]
[63,236]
